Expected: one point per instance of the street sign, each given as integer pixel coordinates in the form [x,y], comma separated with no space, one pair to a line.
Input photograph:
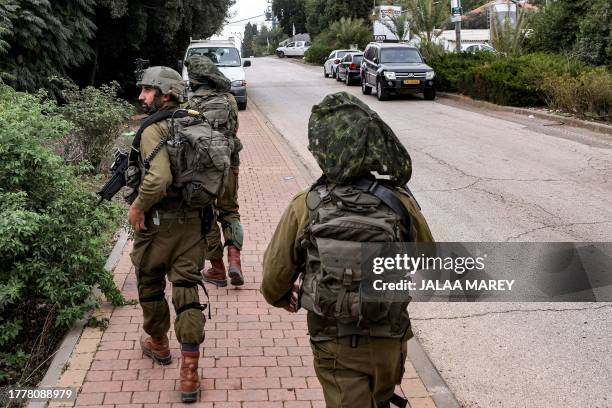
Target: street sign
[456,11]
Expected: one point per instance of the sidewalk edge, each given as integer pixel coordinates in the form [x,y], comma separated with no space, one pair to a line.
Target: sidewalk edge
[435,384]
[66,348]
[593,126]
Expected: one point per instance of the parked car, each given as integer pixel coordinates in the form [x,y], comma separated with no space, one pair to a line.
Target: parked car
[477,47]
[330,68]
[393,68]
[226,56]
[293,49]
[349,69]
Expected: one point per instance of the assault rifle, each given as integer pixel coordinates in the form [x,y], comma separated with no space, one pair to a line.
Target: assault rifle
[117,180]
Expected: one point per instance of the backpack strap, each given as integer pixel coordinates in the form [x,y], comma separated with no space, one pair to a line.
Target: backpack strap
[387,196]
[154,118]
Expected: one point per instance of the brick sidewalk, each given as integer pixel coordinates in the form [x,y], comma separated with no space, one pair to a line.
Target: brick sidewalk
[254,355]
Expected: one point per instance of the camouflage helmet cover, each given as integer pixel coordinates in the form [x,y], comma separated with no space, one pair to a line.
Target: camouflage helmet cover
[349,140]
[201,70]
[167,80]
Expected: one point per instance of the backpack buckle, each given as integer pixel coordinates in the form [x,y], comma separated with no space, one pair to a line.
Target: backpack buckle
[348,277]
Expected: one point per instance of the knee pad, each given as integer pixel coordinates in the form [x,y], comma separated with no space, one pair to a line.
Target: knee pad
[234,234]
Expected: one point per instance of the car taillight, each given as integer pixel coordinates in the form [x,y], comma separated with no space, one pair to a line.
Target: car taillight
[352,66]
[336,61]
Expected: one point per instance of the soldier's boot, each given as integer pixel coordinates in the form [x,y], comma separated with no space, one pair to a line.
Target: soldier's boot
[157,348]
[235,268]
[216,273]
[190,380]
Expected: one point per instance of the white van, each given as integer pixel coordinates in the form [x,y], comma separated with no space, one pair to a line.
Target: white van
[227,57]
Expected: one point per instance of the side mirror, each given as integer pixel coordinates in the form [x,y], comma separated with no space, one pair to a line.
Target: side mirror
[424,60]
[180,65]
[246,63]
[375,60]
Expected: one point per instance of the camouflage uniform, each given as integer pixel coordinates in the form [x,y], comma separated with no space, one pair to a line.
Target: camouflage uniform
[209,83]
[363,376]
[170,246]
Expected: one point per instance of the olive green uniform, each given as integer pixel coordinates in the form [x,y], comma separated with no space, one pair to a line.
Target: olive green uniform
[363,376]
[170,246]
[227,204]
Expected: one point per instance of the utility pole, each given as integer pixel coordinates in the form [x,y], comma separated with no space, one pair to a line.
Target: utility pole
[456,17]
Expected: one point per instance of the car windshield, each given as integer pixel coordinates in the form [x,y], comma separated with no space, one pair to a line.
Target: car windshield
[400,55]
[357,59]
[341,54]
[221,56]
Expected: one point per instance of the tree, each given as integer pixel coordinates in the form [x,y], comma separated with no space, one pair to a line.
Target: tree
[41,38]
[347,32]
[250,32]
[321,14]
[398,25]
[426,18]
[508,38]
[290,13]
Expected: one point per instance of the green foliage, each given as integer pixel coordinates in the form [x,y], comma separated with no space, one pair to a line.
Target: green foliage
[399,26]
[527,80]
[426,18]
[266,41]
[318,52]
[321,14]
[290,13]
[97,115]
[52,235]
[508,38]
[43,38]
[250,32]
[344,33]
[581,27]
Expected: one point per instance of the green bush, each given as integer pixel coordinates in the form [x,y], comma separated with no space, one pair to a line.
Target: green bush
[53,237]
[317,53]
[97,115]
[527,80]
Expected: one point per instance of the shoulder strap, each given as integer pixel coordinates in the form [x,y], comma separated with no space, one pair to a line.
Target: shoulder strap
[154,118]
[387,196]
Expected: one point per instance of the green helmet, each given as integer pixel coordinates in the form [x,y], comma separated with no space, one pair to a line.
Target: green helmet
[349,141]
[202,70]
[167,80]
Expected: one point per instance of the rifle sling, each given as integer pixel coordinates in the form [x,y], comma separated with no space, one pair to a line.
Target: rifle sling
[154,118]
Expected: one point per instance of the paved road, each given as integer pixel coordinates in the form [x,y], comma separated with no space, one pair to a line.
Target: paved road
[488,176]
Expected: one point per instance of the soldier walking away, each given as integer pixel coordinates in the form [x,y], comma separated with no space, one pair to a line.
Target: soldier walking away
[359,347]
[167,235]
[210,95]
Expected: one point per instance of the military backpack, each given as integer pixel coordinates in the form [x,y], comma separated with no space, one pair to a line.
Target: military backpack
[342,218]
[199,158]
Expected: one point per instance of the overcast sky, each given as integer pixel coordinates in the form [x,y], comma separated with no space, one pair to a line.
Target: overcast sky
[244,9]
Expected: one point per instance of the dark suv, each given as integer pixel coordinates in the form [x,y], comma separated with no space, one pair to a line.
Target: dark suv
[393,68]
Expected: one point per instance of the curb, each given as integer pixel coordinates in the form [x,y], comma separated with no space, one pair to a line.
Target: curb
[435,384]
[594,126]
[64,352]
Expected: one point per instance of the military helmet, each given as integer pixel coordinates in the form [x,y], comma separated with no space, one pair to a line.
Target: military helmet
[350,141]
[167,80]
[203,70]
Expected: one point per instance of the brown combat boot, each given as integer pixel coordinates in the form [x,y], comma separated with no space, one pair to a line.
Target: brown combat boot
[235,268]
[190,380]
[156,348]
[216,274]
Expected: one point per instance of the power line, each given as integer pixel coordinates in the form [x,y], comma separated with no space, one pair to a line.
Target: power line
[244,19]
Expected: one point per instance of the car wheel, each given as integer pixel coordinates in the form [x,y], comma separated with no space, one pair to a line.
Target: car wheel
[280,54]
[347,80]
[365,88]
[325,72]
[242,105]
[381,93]
[429,94]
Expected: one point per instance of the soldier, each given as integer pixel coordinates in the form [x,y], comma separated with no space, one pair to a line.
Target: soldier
[359,354]
[210,95]
[167,237]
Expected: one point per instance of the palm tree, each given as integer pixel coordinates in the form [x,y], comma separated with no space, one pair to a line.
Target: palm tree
[398,25]
[506,37]
[426,18]
[347,31]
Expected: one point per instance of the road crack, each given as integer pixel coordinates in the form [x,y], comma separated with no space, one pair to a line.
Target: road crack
[508,312]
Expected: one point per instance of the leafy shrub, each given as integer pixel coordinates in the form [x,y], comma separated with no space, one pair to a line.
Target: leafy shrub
[588,95]
[52,235]
[317,53]
[450,68]
[97,114]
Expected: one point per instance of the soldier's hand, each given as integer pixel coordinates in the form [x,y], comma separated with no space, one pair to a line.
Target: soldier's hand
[136,218]
[292,307]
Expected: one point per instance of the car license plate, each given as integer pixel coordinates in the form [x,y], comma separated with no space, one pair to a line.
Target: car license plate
[411,82]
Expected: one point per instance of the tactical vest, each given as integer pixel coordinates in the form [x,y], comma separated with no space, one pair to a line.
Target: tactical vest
[341,219]
[199,159]
[214,107]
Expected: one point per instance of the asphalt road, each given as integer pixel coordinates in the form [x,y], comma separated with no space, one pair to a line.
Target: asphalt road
[487,176]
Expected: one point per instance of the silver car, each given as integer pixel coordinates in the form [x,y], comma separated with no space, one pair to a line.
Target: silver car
[330,68]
